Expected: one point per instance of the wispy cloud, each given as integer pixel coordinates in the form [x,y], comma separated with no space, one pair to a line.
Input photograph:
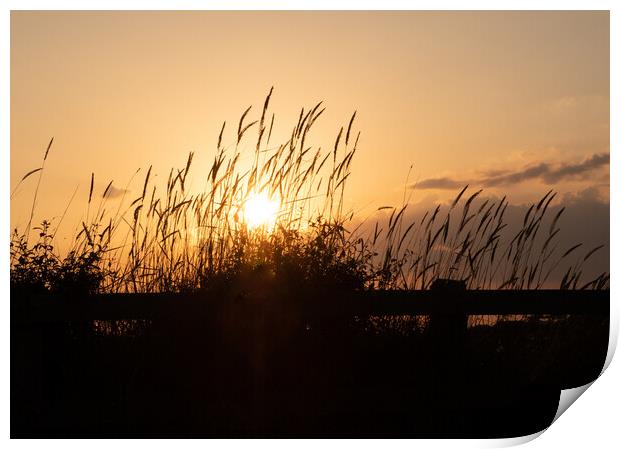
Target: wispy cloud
[546,172]
[114,192]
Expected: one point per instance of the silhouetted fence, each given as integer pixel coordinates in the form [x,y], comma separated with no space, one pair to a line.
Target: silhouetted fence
[301,364]
[120,306]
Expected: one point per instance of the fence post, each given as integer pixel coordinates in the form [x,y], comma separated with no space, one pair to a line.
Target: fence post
[448,332]
[448,326]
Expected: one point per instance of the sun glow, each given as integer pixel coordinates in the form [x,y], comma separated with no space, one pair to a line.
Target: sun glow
[261,211]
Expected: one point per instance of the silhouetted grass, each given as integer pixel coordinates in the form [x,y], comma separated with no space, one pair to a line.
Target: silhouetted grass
[179,240]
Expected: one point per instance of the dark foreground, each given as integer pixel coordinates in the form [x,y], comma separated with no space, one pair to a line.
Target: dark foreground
[265,368]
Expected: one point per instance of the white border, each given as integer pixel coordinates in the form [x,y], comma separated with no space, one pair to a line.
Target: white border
[593,421]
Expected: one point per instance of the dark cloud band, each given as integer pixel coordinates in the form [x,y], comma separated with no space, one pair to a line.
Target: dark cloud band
[548,173]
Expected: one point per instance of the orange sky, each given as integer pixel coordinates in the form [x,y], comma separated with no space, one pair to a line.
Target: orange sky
[515,102]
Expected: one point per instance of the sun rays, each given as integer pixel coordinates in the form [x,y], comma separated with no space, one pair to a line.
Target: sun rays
[261,211]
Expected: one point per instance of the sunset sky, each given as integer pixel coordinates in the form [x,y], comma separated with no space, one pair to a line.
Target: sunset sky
[516,103]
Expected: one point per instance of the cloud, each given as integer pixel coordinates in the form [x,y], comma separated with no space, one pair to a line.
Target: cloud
[592,163]
[546,172]
[532,172]
[114,192]
[563,104]
[571,103]
[439,183]
[591,194]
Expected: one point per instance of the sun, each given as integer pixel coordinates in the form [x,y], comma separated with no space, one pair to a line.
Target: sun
[261,211]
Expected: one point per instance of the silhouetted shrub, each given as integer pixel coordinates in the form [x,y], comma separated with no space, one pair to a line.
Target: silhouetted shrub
[37,269]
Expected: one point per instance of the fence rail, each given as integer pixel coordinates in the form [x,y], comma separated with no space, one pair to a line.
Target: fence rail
[45,308]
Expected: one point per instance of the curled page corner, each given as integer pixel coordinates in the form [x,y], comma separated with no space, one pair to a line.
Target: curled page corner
[516,441]
[568,397]
[612,344]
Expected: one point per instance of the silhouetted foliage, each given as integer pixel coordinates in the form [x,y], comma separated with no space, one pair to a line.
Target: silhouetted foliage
[37,269]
